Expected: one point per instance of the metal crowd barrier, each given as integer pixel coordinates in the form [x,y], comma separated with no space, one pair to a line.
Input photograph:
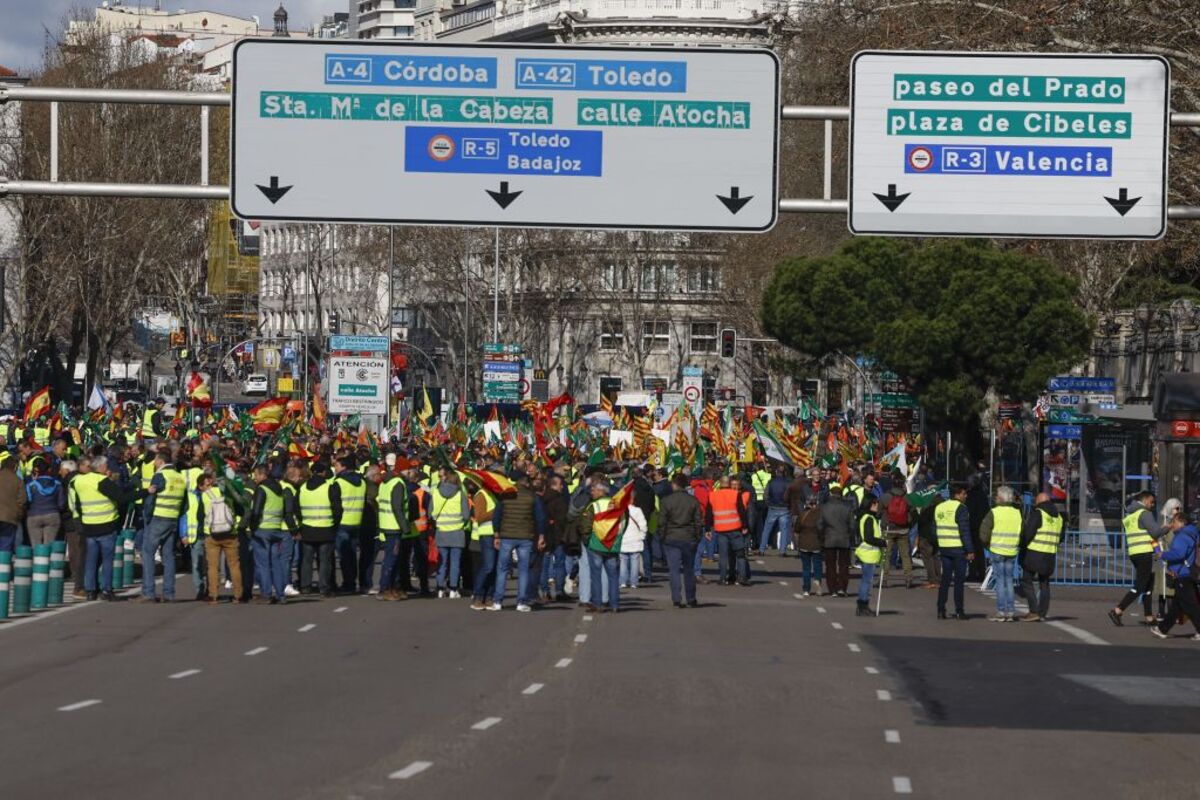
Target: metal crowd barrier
[1091,558]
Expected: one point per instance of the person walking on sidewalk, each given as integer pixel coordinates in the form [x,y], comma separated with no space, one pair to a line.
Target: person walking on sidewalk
[1040,537]
[1142,532]
[1000,533]
[1180,560]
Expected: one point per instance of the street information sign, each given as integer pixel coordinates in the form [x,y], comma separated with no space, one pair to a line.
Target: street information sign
[987,144]
[359,373]
[503,373]
[595,137]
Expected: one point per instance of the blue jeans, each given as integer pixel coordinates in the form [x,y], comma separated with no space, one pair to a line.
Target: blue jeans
[524,548]
[485,568]
[629,569]
[100,548]
[680,556]
[652,550]
[368,542]
[272,561]
[160,533]
[780,518]
[449,560]
[1003,568]
[199,566]
[345,541]
[954,568]
[864,583]
[391,554]
[555,564]
[8,537]
[608,563]
[812,565]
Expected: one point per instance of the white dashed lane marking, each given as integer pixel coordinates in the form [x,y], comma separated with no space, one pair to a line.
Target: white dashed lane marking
[871,670]
[883,694]
[798,596]
[854,648]
[891,737]
[257,650]
[587,617]
[901,785]
[306,628]
[485,723]
[415,768]
[563,663]
[820,609]
[533,688]
[580,638]
[783,583]
[837,626]
[340,609]
[80,704]
[187,673]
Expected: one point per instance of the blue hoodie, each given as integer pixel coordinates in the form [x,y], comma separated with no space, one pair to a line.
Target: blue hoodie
[1182,553]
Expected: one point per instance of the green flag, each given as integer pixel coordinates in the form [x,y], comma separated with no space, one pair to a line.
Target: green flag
[924,497]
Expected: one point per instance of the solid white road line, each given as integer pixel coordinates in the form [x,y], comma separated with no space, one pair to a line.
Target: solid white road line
[340,609]
[854,648]
[891,737]
[533,688]
[1079,633]
[485,723]
[563,663]
[901,785]
[306,628]
[14,623]
[871,670]
[760,563]
[580,638]
[257,650]
[883,694]
[187,673]
[415,768]
[80,704]
[837,626]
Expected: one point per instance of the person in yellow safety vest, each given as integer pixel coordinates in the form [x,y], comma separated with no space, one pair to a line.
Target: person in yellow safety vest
[869,551]
[857,491]
[41,434]
[1040,537]
[320,515]
[450,513]
[1000,533]
[97,503]
[294,475]
[1142,532]
[190,531]
[483,553]
[414,544]
[166,502]
[354,500]
[219,536]
[758,511]
[152,427]
[955,548]
[271,518]
[603,549]
[394,523]
[6,430]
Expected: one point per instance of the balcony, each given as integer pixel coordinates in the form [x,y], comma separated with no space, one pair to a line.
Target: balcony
[545,13]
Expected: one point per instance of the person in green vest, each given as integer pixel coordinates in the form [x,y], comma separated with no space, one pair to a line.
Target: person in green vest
[98,504]
[758,510]
[353,489]
[450,514]
[953,528]
[1040,537]
[1142,532]
[272,517]
[1000,533]
[216,521]
[190,529]
[603,549]
[152,424]
[166,502]
[869,551]
[320,515]
[481,548]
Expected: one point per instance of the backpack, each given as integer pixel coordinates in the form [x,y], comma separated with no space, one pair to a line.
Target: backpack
[897,511]
[220,518]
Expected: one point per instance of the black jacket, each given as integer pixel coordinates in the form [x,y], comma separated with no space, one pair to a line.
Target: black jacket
[680,518]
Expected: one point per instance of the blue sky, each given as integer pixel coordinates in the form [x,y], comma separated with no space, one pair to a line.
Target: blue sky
[24,23]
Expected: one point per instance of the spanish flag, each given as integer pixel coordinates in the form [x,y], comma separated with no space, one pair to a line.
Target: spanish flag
[268,415]
[494,482]
[37,405]
[319,412]
[620,504]
[198,392]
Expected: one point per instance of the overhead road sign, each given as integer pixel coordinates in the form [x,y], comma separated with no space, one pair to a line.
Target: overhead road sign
[1009,144]
[496,134]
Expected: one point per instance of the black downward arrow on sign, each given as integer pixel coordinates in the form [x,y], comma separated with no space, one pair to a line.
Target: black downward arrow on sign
[735,201]
[274,192]
[1123,202]
[892,200]
[504,197]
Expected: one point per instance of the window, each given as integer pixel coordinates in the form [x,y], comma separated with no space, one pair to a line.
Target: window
[612,335]
[656,336]
[615,278]
[704,278]
[658,277]
[610,387]
[704,337]
[654,383]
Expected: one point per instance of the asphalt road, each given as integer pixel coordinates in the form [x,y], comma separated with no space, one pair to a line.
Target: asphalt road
[758,693]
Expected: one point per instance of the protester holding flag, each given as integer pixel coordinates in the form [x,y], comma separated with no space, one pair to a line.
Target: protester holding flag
[603,519]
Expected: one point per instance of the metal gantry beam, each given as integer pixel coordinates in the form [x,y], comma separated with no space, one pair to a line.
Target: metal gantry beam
[826,204]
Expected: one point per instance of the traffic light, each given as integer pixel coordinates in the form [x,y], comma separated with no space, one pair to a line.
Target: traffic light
[334,322]
[728,342]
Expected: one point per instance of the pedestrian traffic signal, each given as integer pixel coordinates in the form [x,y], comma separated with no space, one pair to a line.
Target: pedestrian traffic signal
[728,342]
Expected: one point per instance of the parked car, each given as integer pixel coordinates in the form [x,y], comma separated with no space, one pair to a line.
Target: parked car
[255,383]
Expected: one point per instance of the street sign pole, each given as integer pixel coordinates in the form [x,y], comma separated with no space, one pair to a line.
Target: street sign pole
[1009,144]
[649,138]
